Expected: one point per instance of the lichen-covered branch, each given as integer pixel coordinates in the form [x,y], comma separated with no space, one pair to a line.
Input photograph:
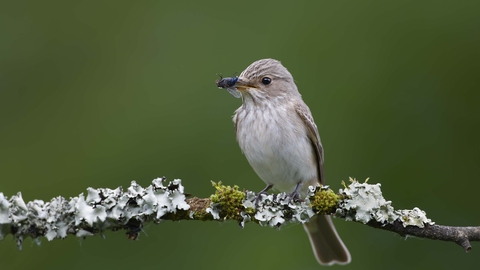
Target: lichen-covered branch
[117,209]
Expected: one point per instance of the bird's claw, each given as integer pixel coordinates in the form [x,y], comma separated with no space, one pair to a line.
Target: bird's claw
[294,195]
[259,194]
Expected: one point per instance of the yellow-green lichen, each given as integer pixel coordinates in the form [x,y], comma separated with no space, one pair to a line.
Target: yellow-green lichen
[250,211]
[324,202]
[230,200]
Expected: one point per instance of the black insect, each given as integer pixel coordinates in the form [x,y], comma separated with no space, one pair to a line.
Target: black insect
[227,82]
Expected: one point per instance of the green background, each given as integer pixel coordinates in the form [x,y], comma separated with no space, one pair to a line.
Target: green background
[96,94]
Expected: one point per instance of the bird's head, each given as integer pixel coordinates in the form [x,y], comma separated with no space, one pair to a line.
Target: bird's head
[266,79]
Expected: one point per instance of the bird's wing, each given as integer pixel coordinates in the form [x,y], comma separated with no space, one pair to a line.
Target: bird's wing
[306,116]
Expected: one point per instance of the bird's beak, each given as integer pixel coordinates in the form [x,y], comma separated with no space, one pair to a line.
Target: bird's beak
[243,85]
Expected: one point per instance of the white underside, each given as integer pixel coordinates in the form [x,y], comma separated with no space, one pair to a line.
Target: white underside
[277,146]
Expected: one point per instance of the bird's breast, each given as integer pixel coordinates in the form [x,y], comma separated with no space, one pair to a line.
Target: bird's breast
[275,143]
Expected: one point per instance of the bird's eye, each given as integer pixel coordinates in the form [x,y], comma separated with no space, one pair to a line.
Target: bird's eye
[266,80]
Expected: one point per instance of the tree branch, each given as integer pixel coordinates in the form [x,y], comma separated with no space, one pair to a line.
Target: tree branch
[106,209]
[459,235]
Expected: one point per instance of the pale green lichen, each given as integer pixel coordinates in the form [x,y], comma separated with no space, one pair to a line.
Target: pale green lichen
[275,210]
[414,217]
[102,209]
[364,202]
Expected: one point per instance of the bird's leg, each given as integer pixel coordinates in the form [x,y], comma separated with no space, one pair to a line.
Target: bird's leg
[294,194]
[263,191]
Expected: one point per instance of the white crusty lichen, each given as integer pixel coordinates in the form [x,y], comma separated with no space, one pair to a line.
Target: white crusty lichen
[102,209]
[415,217]
[364,202]
[105,209]
[361,202]
[270,209]
[214,210]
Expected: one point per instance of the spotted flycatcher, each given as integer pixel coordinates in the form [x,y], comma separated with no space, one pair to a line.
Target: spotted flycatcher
[277,134]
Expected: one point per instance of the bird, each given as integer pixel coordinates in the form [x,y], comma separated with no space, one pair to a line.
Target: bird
[277,134]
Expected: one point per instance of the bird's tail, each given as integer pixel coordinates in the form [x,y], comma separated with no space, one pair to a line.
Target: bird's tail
[327,245]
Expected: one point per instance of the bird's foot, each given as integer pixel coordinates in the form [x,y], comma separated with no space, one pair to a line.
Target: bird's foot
[294,195]
[259,194]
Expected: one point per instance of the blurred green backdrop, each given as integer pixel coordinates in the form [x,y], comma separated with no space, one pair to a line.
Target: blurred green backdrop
[99,93]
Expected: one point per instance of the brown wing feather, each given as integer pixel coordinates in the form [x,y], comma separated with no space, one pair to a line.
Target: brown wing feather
[304,113]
